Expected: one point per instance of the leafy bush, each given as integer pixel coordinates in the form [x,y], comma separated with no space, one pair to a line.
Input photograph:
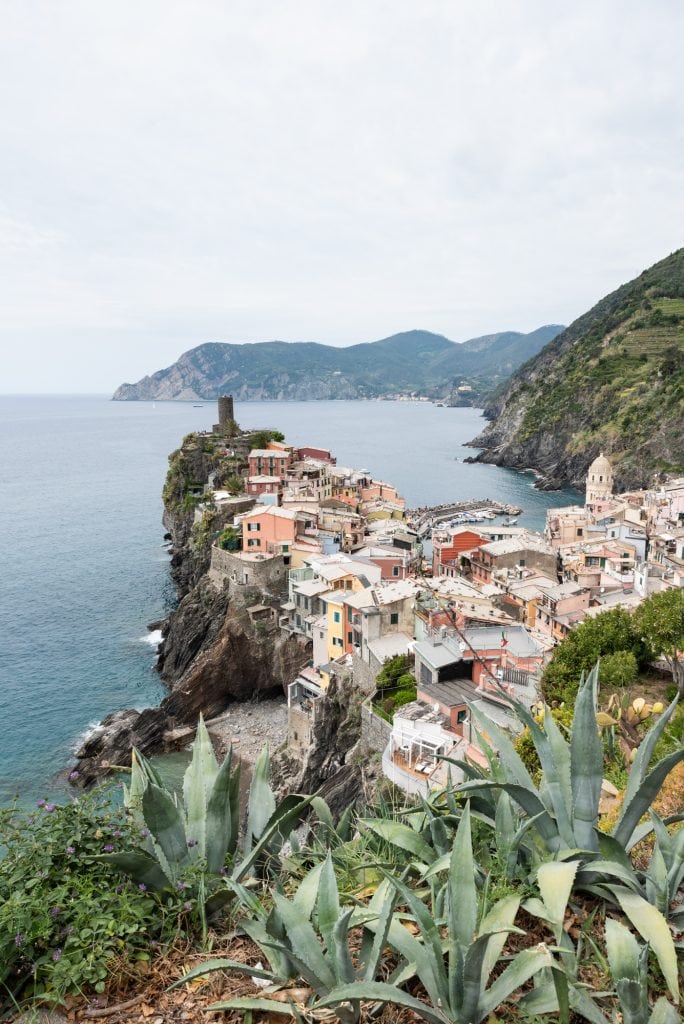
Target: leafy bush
[618,670]
[392,671]
[230,539]
[606,634]
[64,915]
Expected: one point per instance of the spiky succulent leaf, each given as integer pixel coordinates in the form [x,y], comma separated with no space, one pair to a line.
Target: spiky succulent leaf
[288,812]
[261,803]
[142,868]
[400,835]
[303,943]
[586,760]
[328,903]
[198,783]
[555,880]
[165,822]
[653,928]
[644,753]
[221,825]
[636,807]
[523,967]
[221,964]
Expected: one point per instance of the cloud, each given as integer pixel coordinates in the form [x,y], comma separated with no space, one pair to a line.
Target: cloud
[175,172]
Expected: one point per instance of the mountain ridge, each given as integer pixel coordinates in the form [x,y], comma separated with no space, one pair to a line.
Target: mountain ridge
[413,361]
[612,381]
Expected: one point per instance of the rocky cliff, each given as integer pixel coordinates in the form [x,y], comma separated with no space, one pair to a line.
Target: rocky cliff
[613,381]
[212,653]
[412,362]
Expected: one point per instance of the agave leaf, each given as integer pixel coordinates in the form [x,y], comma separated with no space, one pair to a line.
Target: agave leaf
[462,891]
[322,812]
[664,1013]
[198,782]
[586,761]
[653,928]
[261,803]
[256,1003]
[344,824]
[328,903]
[439,834]
[400,835]
[380,992]
[221,964]
[221,826]
[471,981]
[657,888]
[676,867]
[307,891]
[381,932]
[522,967]
[529,800]
[303,943]
[645,795]
[344,968]
[508,757]
[610,869]
[264,932]
[428,955]
[288,811]
[623,951]
[140,866]
[555,880]
[165,822]
[497,923]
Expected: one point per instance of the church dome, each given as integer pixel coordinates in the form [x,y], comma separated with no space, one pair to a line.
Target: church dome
[601,467]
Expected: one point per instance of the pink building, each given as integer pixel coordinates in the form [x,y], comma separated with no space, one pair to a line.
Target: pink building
[269,462]
[269,530]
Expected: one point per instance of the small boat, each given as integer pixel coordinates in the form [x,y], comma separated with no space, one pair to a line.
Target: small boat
[198,406]
[509,522]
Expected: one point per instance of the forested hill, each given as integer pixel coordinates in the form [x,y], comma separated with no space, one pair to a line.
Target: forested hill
[412,362]
[613,381]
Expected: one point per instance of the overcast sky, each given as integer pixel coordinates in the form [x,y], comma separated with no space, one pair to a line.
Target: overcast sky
[179,172]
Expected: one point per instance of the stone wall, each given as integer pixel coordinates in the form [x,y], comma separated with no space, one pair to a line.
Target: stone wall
[375,731]
[268,576]
[364,675]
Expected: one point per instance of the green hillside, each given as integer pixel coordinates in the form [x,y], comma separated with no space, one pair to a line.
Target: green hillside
[413,362]
[612,381]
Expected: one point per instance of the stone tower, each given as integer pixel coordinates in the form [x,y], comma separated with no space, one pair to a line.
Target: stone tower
[226,417]
[599,481]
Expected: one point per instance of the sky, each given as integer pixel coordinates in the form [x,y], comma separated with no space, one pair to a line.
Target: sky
[179,172]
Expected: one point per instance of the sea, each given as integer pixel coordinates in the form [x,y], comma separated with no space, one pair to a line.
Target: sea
[83,563]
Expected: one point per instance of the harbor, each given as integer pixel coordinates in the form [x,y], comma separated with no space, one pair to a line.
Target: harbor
[457,513]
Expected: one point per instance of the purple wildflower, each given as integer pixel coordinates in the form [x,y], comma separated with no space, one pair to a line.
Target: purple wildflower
[70,850]
[187,906]
[56,955]
[55,911]
[142,887]
[73,775]
[223,871]
[41,803]
[19,939]
[30,820]
[108,848]
[49,808]
[191,843]
[118,833]
[181,886]
[144,834]
[119,889]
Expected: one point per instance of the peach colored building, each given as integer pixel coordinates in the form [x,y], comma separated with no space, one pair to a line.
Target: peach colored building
[269,462]
[270,530]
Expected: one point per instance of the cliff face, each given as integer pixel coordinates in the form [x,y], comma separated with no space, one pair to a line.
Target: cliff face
[411,362]
[613,381]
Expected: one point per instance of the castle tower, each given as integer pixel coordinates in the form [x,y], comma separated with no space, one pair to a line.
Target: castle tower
[226,417]
[599,481]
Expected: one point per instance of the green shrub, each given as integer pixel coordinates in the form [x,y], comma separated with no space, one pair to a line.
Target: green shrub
[64,914]
[618,670]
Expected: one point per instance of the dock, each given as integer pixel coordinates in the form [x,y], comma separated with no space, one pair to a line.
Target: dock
[423,520]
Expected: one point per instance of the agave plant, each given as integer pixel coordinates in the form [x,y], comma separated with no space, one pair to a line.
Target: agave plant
[456,978]
[194,837]
[564,809]
[306,937]
[629,968]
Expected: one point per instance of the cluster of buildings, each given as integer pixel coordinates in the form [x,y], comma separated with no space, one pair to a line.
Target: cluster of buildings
[346,576]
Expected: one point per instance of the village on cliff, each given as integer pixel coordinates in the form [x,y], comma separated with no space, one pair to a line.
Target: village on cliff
[339,563]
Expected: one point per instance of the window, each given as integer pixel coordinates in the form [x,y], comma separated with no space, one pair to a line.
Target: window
[253,526]
[394,618]
[253,542]
[337,641]
[349,614]
[336,616]
[286,548]
[350,637]
[521,563]
[395,570]
[580,531]
[461,716]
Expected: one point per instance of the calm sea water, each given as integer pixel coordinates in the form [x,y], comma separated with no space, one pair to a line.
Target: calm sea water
[81,542]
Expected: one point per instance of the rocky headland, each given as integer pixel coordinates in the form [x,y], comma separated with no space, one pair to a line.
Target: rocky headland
[212,653]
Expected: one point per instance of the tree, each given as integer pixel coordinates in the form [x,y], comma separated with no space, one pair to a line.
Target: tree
[659,621]
[618,670]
